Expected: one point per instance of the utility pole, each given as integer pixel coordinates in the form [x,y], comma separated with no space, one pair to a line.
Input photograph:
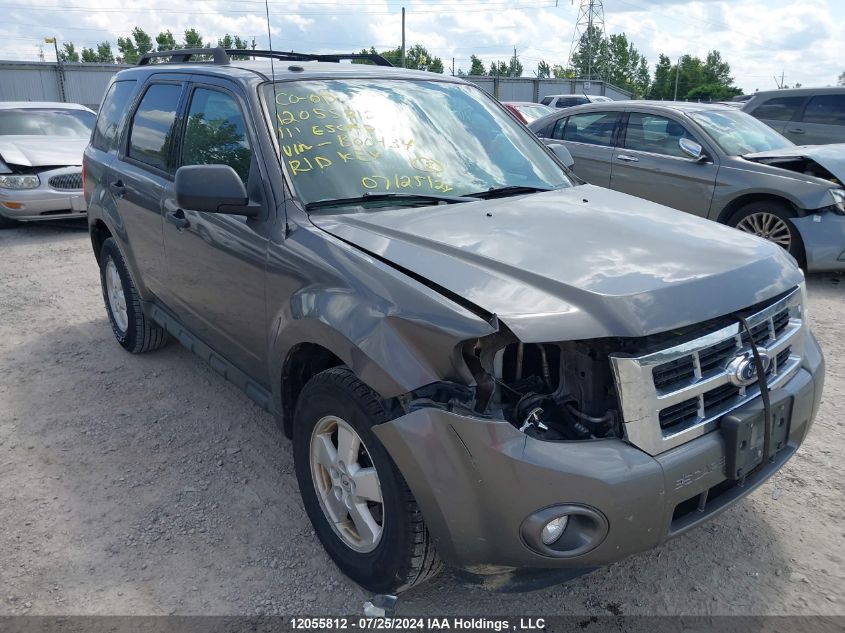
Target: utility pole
[403,37]
[453,67]
[590,19]
[253,47]
[677,72]
[60,70]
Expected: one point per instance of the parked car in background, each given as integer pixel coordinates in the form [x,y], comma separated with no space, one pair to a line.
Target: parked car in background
[716,162]
[41,146]
[567,101]
[527,111]
[481,360]
[806,116]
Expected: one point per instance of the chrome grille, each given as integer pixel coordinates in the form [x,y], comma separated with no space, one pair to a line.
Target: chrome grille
[673,395]
[66,181]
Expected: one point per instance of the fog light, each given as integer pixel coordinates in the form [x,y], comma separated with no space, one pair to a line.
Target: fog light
[553,530]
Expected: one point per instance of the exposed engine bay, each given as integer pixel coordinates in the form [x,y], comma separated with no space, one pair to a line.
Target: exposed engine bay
[550,391]
[799,164]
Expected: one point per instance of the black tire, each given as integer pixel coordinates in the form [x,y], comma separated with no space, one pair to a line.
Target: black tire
[779,209]
[141,333]
[405,554]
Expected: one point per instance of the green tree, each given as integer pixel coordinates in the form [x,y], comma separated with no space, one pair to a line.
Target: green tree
[477,66]
[591,57]
[229,42]
[193,39]
[661,87]
[559,72]
[166,42]
[625,66]
[131,48]
[498,69]
[416,57]
[842,79]
[544,71]
[514,66]
[89,55]
[68,53]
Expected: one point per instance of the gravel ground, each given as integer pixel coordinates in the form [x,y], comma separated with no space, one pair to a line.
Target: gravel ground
[148,485]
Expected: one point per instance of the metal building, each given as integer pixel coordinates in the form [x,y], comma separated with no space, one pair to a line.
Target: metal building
[86,83]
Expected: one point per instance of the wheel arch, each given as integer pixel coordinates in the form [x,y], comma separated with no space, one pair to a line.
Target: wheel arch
[99,233]
[303,362]
[737,203]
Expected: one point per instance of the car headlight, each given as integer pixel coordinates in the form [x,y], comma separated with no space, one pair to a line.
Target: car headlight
[15,181]
[838,199]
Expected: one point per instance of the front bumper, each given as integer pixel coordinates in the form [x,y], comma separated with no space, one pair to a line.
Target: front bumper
[44,202]
[823,234]
[477,481]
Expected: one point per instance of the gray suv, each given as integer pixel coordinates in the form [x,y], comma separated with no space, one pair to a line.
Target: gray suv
[481,361]
[806,116]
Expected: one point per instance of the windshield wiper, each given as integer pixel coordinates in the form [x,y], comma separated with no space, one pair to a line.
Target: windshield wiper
[509,190]
[373,196]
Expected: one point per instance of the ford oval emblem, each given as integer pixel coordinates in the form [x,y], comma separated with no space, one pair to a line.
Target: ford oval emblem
[742,370]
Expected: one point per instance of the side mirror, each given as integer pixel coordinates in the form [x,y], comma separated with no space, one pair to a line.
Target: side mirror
[562,153]
[692,149]
[213,189]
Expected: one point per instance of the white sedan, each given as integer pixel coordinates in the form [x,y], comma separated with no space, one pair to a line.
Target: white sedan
[41,146]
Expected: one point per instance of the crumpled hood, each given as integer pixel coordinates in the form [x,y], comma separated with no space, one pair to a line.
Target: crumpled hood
[831,157]
[578,263]
[42,151]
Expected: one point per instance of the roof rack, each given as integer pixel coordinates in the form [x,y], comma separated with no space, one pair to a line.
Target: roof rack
[221,56]
[185,54]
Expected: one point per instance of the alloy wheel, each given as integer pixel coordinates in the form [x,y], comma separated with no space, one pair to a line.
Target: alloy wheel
[767,225]
[347,484]
[117,300]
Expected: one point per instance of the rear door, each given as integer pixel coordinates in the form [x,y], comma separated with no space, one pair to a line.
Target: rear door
[589,137]
[650,164]
[216,262]
[776,112]
[142,172]
[823,121]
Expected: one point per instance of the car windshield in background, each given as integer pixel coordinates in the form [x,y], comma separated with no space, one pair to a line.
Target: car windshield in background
[738,133]
[347,139]
[39,122]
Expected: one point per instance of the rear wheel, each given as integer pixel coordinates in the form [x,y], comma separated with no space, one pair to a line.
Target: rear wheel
[770,219]
[131,327]
[358,502]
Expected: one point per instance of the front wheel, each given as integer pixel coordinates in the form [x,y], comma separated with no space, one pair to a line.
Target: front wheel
[770,219]
[358,502]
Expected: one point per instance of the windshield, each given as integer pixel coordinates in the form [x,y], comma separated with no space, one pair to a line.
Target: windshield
[343,139]
[40,122]
[534,112]
[738,133]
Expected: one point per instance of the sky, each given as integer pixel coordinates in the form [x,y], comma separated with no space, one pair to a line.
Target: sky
[759,39]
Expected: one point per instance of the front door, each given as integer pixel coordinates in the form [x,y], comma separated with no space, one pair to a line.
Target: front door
[589,138]
[649,164]
[216,262]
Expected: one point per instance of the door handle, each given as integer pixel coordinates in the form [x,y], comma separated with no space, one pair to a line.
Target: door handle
[628,159]
[177,218]
[796,130]
[117,188]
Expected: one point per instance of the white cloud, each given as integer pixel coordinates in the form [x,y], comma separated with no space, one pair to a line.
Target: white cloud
[759,39]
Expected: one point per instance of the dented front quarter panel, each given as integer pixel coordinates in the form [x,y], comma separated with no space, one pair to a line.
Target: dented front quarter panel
[396,334]
[823,234]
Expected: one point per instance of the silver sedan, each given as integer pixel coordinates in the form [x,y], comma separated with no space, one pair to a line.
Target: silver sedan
[716,162]
[41,146]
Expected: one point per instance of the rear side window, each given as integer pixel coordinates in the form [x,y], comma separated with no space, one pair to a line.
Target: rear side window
[216,133]
[151,136]
[109,121]
[593,128]
[568,102]
[547,100]
[655,134]
[826,110]
[779,108]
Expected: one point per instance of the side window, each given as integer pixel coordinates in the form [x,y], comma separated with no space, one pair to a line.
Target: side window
[216,133]
[655,134]
[151,135]
[546,100]
[115,104]
[560,126]
[826,110]
[778,109]
[593,128]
